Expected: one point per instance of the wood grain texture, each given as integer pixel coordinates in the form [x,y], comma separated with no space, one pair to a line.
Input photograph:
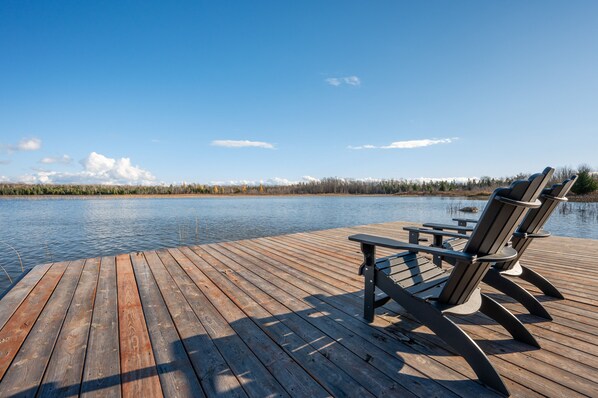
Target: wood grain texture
[65,369]
[25,375]
[101,375]
[20,323]
[174,368]
[216,377]
[138,367]
[11,301]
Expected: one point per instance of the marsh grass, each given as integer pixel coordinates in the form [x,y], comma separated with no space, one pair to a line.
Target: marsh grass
[189,231]
[458,208]
[586,211]
[18,256]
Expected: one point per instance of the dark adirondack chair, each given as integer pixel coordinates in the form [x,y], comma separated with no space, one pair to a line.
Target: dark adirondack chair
[529,229]
[430,293]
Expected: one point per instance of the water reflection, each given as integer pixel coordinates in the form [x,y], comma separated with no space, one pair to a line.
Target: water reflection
[65,229]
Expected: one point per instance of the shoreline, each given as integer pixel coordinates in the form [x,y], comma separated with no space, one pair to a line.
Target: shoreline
[477,196]
[592,198]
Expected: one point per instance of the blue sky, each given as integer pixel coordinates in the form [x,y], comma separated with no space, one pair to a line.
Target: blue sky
[152,92]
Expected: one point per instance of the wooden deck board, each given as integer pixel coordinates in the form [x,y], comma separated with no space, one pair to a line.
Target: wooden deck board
[101,372]
[278,316]
[139,374]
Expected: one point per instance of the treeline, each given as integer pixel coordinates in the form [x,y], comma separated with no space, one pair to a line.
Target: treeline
[332,185]
[324,186]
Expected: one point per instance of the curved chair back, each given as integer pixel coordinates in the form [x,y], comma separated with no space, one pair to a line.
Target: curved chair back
[504,211]
[536,218]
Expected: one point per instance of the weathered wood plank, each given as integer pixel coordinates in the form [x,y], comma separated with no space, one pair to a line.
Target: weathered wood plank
[11,301]
[289,374]
[215,375]
[296,343]
[27,370]
[65,369]
[254,375]
[138,367]
[101,375]
[20,323]
[174,368]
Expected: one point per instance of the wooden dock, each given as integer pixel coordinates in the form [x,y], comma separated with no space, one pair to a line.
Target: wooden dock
[277,316]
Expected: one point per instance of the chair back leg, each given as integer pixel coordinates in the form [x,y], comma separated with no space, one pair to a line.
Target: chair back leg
[540,282]
[513,325]
[494,278]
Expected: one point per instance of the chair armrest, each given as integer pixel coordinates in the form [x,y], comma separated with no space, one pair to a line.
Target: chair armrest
[436,232]
[462,222]
[372,240]
[507,253]
[449,227]
[518,203]
[471,220]
[539,234]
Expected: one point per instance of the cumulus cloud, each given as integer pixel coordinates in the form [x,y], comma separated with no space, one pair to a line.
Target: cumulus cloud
[97,169]
[349,80]
[409,144]
[117,170]
[64,159]
[242,144]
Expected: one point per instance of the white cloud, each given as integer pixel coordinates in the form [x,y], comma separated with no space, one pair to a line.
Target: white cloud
[64,159]
[276,181]
[337,81]
[97,169]
[28,144]
[334,81]
[117,170]
[242,144]
[310,179]
[409,144]
[4,179]
[459,180]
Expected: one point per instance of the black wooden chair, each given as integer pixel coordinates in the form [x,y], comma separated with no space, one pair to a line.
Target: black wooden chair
[529,229]
[430,293]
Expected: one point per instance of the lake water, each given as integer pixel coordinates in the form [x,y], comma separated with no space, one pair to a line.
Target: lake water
[47,230]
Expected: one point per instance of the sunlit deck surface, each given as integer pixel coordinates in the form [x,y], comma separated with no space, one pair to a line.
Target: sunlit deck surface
[278,316]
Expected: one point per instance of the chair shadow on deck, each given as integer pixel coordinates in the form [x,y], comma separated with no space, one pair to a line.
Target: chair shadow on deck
[332,330]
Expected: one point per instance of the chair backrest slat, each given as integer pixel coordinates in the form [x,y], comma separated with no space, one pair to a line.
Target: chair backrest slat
[492,232]
[536,218]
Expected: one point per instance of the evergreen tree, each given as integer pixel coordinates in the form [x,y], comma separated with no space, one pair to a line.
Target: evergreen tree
[585,182]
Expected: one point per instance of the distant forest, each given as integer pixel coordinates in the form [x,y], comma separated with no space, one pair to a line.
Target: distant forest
[332,185]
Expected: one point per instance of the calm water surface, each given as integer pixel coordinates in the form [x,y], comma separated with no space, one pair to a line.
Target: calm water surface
[46,230]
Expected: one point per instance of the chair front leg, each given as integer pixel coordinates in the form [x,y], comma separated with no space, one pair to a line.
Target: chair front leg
[369,273]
